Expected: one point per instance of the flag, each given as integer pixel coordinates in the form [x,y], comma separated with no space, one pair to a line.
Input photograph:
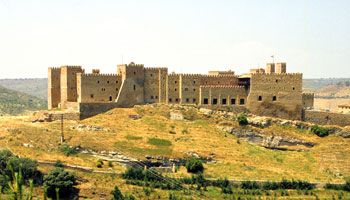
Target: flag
[272,56]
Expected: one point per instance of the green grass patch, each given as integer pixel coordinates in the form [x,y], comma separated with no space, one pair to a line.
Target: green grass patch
[132,137]
[157,124]
[159,142]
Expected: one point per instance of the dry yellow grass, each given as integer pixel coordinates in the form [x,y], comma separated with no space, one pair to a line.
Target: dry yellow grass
[326,162]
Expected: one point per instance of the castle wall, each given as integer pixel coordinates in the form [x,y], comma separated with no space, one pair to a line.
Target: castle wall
[308,100]
[98,87]
[277,95]
[223,95]
[69,83]
[189,88]
[132,89]
[90,109]
[173,88]
[54,87]
[154,85]
[326,118]
[219,80]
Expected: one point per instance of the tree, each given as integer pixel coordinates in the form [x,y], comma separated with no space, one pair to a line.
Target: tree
[63,180]
[29,168]
[194,165]
[242,119]
[5,155]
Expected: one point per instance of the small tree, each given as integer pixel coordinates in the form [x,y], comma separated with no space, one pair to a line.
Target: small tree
[58,163]
[194,165]
[63,180]
[117,194]
[242,119]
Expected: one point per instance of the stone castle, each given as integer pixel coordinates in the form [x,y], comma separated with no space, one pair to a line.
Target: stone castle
[270,92]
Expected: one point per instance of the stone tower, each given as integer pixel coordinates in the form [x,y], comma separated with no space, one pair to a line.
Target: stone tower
[281,68]
[270,67]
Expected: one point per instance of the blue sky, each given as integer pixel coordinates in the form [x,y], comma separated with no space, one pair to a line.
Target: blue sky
[188,36]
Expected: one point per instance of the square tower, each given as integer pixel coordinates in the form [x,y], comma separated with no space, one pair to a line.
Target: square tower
[281,68]
[270,67]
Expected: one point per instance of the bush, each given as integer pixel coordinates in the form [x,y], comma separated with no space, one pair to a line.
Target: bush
[117,194]
[67,150]
[99,165]
[194,165]
[242,119]
[224,185]
[319,130]
[64,180]
[5,155]
[58,163]
[251,185]
[110,163]
[29,168]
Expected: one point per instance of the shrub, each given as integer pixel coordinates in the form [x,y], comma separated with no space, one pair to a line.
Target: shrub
[224,185]
[67,150]
[242,119]
[5,155]
[58,163]
[110,163]
[194,165]
[319,130]
[117,194]
[184,131]
[251,185]
[63,180]
[99,165]
[29,168]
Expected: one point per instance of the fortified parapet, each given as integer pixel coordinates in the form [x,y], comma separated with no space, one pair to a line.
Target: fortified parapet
[259,70]
[229,72]
[95,71]
[54,87]
[270,67]
[281,68]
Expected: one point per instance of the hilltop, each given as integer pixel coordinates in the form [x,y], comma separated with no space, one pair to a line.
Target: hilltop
[156,133]
[14,102]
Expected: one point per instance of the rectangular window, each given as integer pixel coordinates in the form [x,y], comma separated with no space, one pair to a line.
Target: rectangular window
[215,101]
[205,101]
[134,87]
[194,100]
[170,99]
[223,101]
[151,97]
[260,98]
[91,95]
[274,98]
[176,99]
[233,101]
[187,100]
[241,101]
[186,89]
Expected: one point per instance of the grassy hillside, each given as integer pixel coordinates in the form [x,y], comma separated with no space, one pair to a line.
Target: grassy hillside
[33,86]
[156,135]
[13,102]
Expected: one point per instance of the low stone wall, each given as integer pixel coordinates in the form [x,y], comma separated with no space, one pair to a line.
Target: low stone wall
[66,116]
[326,118]
[90,109]
[231,108]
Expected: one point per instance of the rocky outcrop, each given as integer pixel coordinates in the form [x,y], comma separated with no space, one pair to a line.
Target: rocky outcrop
[176,116]
[268,141]
[83,127]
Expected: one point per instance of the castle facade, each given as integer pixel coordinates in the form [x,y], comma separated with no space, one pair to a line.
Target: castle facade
[270,92]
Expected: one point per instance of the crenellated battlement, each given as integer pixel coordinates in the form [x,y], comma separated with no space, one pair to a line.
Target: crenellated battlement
[71,66]
[100,75]
[55,68]
[308,94]
[155,68]
[276,74]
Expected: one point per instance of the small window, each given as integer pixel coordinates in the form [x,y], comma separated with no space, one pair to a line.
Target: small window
[215,101]
[186,89]
[110,98]
[205,101]
[293,88]
[260,98]
[194,89]
[233,101]
[116,82]
[175,82]
[98,82]
[175,89]
[218,82]
[170,99]
[241,101]
[276,81]
[134,87]
[107,82]
[274,98]
[151,97]
[151,75]
[116,89]
[156,97]
[206,82]
[223,101]
[176,99]
[91,95]
[134,73]
[187,100]
[194,82]
[103,89]
[194,100]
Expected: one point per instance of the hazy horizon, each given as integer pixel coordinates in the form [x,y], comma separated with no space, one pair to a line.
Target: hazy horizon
[185,36]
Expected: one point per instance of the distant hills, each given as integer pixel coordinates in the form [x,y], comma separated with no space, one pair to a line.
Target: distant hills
[328,88]
[33,86]
[14,102]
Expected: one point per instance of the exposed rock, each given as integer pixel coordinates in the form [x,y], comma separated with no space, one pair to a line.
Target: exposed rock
[82,127]
[134,117]
[176,116]
[345,133]
[205,111]
[28,145]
